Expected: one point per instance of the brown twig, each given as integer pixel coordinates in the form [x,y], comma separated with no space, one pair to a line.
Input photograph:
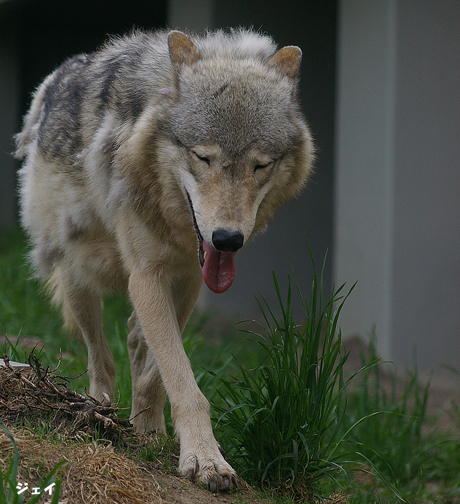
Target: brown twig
[40,391]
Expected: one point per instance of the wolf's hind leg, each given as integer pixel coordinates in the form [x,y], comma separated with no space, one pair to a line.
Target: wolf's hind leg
[149,395]
[85,305]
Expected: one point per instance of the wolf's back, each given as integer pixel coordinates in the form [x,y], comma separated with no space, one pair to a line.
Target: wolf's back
[70,104]
[121,77]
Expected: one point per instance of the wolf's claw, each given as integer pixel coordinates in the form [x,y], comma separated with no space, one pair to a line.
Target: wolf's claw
[213,485]
[216,476]
[190,475]
[217,482]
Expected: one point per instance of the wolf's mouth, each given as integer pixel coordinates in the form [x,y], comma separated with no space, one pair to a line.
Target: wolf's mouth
[218,268]
[201,255]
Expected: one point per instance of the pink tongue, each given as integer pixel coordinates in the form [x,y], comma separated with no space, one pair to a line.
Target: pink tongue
[218,269]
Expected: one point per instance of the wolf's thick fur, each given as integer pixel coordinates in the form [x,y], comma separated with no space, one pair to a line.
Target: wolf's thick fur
[139,157]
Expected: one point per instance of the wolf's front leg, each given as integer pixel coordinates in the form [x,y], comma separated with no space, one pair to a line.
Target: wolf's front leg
[200,458]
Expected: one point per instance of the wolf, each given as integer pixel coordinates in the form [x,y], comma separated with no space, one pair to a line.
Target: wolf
[147,165]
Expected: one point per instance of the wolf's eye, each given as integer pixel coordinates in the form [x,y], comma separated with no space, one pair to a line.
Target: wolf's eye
[202,158]
[262,166]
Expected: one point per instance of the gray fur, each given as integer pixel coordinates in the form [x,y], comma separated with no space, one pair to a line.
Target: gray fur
[147,164]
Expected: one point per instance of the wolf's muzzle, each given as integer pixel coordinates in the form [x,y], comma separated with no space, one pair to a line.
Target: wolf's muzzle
[227,240]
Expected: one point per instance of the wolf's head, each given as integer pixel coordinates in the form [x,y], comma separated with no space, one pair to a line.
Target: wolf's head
[244,146]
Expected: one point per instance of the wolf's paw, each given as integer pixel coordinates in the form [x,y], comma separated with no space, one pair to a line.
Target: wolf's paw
[214,472]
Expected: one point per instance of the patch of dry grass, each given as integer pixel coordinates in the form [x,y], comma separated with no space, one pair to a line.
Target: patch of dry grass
[93,473]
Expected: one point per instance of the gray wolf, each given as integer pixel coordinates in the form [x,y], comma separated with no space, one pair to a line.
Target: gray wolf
[146,166]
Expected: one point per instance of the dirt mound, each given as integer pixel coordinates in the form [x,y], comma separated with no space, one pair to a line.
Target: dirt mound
[93,472]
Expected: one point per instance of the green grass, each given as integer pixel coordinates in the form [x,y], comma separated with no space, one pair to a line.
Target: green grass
[284,416]
[395,441]
[281,406]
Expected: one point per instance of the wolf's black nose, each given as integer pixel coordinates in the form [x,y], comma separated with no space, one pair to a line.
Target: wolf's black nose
[227,240]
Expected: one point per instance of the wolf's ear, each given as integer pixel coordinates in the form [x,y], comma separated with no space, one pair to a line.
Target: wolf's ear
[182,50]
[286,61]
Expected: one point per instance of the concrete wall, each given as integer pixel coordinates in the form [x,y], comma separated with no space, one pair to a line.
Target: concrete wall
[196,15]
[365,165]
[397,226]
[426,295]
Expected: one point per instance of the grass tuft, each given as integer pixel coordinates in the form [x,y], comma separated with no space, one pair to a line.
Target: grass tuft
[279,422]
